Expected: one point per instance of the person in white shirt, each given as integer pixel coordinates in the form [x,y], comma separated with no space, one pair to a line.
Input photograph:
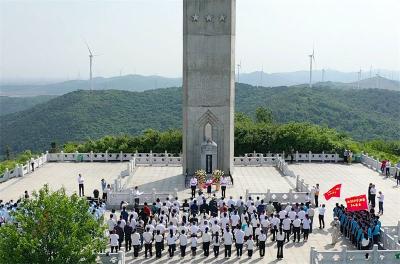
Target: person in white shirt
[159,241]
[286,227]
[373,195]
[183,241]
[282,215]
[228,239]
[261,243]
[280,240]
[381,198]
[81,182]
[136,243]
[216,242]
[274,226]
[310,213]
[171,241]
[148,240]
[321,216]
[306,227]
[111,223]
[292,214]
[193,184]
[224,183]
[239,237]
[193,244]
[250,246]
[114,241]
[206,238]
[296,229]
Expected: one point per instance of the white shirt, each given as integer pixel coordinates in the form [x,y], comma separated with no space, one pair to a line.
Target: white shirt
[262,237]
[310,212]
[373,190]
[286,224]
[224,181]
[81,180]
[381,197]
[282,214]
[280,237]
[301,214]
[114,240]
[296,222]
[135,239]
[193,182]
[183,240]
[321,210]
[306,223]
[235,220]
[111,224]
[239,236]
[292,215]
[158,238]
[227,238]
[206,237]
[171,240]
[147,237]
[250,244]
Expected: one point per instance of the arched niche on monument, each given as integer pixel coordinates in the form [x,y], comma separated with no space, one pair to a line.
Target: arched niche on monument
[209,160]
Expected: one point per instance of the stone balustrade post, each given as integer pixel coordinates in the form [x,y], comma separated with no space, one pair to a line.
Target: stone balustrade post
[28,167]
[47,155]
[154,194]
[309,156]
[76,156]
[254,153]
[247,194]
[313,253]
[91,156]
[283,155]
[375,254]
[297,156]
[396,242]
[302,185]
[151,158]
[20,170]
[398,228]
[121,257]
[297,183]
[336,157]
[62,155]
[106,156]
[6,174]
[268,195]
[121,156]
[166,154]
[290,195]
[323,156]
[343,254]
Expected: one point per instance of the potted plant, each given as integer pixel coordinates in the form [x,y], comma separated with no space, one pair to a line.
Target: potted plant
[201,178]
[217,174]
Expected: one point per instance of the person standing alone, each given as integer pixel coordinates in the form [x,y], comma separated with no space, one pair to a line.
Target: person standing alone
[193,184]
[81,182]
[381,197]
[316,194]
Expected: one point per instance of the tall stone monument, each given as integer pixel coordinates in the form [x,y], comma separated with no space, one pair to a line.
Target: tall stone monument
[208,85]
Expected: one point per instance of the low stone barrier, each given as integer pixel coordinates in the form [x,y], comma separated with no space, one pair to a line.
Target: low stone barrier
[22,169]
[375,164]
[284,197]
[111,258]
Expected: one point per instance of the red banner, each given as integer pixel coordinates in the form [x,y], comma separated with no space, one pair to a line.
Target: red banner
[333,192]
[357,203]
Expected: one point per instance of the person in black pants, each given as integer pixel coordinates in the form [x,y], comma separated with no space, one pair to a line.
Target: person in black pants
[261,243]
[128,239]
[280,239]
[216,243]
[159,242]
[193,184]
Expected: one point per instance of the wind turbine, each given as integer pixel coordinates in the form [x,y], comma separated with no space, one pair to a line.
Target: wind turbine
[323,75]
[359,78]
[239,66]
[91,55]
[312,58]
[261,75]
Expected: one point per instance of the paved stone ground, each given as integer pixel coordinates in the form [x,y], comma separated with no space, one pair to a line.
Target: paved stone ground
[62,174]
[355,179]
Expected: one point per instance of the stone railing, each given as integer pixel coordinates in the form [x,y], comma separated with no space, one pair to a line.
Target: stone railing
[111,258]
[299,157]
[288,197]
[22,169]
[281,164]
[354,256]
[301,186]
[390,236]
[375,165]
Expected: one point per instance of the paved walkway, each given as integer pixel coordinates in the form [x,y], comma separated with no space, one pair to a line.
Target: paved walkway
[62,174]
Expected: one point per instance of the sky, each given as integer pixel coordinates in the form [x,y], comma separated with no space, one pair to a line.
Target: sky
[46,39]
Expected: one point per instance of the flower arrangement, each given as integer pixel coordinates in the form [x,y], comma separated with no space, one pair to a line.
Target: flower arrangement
[201,177]
[217,174]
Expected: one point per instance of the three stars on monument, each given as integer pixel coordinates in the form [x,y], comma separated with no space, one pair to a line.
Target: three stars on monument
[209,18]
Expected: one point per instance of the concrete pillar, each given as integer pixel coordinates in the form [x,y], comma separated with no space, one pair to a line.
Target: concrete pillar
[121,257]
[297,183]
[398,228]
[375,254]
[91,156]
[336,157]
[268,196]
[247,194]
[323,156]
[297,156]
[312,254]
[62,155]
[106,156]
[121,157]
[20,170]
[309,156]
[47,155]
[344,254]
[76,156]
[291,195]
[151,158]
[6,174]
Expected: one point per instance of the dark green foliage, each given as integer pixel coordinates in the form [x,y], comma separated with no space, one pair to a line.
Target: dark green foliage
[53,228]
[81,115]
[10,105]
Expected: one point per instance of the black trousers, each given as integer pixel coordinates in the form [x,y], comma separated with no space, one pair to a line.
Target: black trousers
[136,250]
[287,234]
[316,200]
[279,254]
[250,253]
[158,249]
[216,251]
[274,231]
[171,250]
[183,250]
[206,248]
[305,234]
[105,196]
[380,207]
[81,190]
[228,250]
[128,243]
[193,188]
[321,221]
[114,247]
[296,232]
[262,248]
[223,190]
[239,249]
[373,200]
[311,224]
[148,248]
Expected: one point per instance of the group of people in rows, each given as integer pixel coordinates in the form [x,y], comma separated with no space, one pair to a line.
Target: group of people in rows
[214,224]
[362,228]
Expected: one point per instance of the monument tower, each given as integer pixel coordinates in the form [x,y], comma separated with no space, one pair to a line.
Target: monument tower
[208,85]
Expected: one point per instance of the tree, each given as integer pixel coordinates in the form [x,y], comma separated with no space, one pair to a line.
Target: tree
[52,228]
[8,152]
[264,115]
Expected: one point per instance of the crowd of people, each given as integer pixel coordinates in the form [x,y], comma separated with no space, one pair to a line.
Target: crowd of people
[211,224]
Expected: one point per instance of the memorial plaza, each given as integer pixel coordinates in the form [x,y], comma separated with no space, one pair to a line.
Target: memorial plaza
[253,179]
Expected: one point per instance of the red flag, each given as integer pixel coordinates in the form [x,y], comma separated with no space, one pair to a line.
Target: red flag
[357,203]
[333,192]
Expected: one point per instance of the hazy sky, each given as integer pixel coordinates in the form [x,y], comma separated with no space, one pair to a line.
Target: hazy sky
[45,39]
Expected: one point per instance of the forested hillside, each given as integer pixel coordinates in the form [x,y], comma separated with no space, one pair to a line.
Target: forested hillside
[10,105]
[80,115]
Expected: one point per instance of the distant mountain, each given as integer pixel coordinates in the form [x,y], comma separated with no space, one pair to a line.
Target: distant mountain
[127,82]
[378,82]
[10,105]
[143,83]
[79,115]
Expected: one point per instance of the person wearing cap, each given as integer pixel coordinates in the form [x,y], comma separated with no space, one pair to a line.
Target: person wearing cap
[335,230]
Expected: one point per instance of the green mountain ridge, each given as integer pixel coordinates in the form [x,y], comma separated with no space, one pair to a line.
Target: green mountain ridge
[80,115]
